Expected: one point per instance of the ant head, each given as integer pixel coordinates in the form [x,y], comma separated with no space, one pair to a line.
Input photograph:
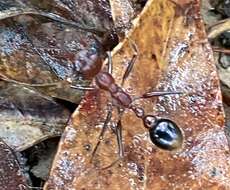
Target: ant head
[164,133]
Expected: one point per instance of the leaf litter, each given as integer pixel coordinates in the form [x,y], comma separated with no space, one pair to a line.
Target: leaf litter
[166,55]
[174,55]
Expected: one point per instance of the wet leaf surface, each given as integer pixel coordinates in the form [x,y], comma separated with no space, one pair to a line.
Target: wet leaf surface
[11,175]
[28,117]
[174,55]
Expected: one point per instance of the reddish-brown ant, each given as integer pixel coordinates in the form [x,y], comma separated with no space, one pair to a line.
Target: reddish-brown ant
[164,133]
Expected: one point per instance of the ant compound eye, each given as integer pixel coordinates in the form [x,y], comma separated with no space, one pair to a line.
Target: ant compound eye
[166,134]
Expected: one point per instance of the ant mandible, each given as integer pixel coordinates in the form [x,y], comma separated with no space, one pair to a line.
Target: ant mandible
[164,133]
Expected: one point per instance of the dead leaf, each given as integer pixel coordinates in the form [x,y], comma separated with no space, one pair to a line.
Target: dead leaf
[21,62]
[11,175]
[40,51]
[122,13]
[209,17]
[9,9]
[94,14]
[174,55]
[44,154]
[27,117]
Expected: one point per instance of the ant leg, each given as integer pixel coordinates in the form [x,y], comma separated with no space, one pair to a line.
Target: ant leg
[119,139]
[158,93]
[105,126]
[131,62]
[78,87]
[118,132]
[110,63]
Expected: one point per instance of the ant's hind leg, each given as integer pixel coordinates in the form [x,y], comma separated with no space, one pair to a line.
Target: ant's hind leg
[118,131]
[131,62]
[119,140]
[103,130]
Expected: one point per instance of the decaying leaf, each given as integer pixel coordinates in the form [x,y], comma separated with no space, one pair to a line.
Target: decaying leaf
[11,176]
[174,55]
[27,117]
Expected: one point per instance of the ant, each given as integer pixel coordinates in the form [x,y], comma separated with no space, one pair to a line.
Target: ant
[164,133]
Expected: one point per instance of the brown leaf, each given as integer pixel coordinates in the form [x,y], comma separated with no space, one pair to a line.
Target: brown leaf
[11,176]
[91,13]
[20,60]
[27,117]
[9,9]
[174,55]
[122,13]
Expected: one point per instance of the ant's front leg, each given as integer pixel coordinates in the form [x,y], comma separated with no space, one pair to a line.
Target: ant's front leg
[78,87]
[110,63]
[131,62]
